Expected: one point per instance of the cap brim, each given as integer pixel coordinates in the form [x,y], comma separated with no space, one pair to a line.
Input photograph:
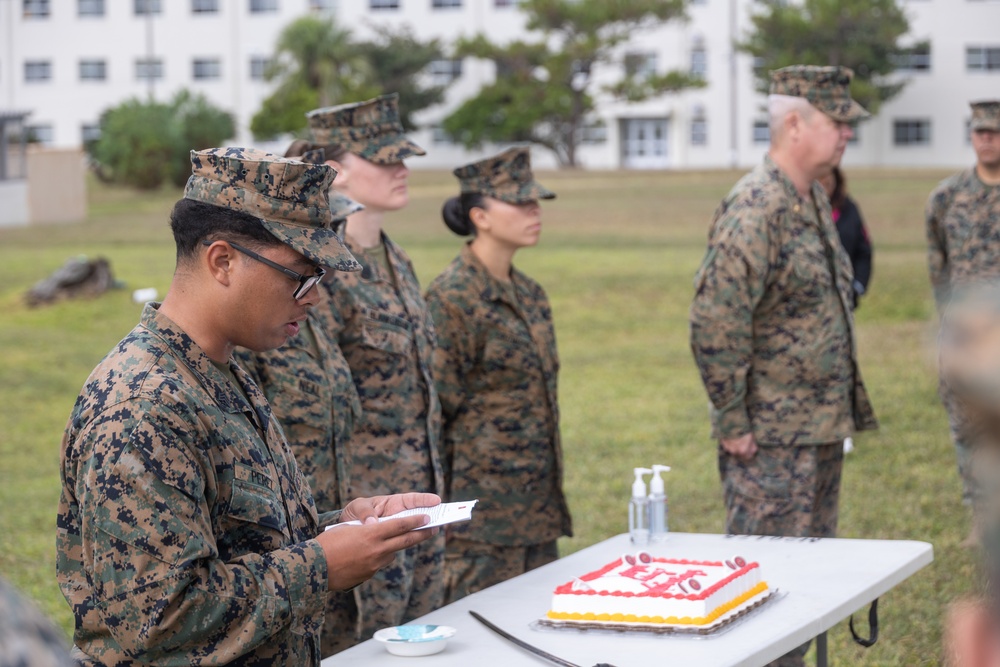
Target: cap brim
[318,244]
[342,206]
[854,113]
[990,126]
[390,149]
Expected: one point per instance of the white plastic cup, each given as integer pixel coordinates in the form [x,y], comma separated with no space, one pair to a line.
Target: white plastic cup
[144,295]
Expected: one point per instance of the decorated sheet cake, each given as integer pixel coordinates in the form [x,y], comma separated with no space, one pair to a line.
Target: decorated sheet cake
[659,594]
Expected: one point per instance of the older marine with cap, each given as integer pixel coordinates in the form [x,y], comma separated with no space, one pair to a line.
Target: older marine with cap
[496,369]
[380,321]
[186,533]
[963,237]
[772,329]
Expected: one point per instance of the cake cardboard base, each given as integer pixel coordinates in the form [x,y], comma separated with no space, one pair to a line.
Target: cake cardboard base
[723,621]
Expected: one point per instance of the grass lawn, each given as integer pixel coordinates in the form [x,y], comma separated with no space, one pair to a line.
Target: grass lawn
[617,258]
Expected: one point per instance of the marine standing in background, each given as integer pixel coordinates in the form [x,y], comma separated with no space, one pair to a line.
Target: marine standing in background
[186,533]
[308,384]
[963,238]
[772,330]
[381,323]
[496,369]
[851,230]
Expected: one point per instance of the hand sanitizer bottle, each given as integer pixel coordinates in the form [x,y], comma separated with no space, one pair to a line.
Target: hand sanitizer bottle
[638,509]
[657,505]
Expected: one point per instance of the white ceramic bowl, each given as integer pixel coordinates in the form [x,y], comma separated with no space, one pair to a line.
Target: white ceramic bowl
[415,640]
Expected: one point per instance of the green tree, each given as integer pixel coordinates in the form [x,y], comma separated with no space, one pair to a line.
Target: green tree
[395,62]
[146,143]
[860,34]
[543,92]
[317,64]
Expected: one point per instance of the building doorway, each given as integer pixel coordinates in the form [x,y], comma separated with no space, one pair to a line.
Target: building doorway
[644,143]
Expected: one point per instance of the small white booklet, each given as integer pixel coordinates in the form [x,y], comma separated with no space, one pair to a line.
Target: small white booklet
[439,514]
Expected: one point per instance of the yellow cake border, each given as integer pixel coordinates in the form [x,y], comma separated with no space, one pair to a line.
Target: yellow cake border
[671,620]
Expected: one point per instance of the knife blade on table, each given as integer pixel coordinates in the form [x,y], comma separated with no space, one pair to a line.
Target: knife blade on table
[528,647]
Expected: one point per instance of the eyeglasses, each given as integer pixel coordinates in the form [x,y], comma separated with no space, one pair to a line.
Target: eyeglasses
[306,283]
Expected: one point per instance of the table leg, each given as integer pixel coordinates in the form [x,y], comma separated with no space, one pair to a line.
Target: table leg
[821,650]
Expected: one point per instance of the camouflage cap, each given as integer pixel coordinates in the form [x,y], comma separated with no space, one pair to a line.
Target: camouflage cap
[985,115]
[370,129]
[289,197]
[826,88]
[506,177]
[341,205]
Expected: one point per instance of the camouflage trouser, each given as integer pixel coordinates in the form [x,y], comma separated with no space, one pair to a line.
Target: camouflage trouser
[472,566]
[413,585]
[787,491]
[957,424]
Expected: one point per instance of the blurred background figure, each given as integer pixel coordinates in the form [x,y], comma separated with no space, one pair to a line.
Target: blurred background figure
[27,637]
[851,229]
[496,369]
[963,238]
[970,373]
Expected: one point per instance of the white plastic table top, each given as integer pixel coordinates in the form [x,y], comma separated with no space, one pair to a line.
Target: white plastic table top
[819,581]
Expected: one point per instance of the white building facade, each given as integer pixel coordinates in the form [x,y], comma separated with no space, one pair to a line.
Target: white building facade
[66,61]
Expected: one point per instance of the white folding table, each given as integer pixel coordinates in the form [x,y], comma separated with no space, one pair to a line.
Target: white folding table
[819,582]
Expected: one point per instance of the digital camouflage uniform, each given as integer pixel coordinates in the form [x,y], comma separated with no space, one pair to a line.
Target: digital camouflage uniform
[496,369]
[308,384]
[772,333]
[27,637]
[185,529]
[381,323]
[963,237]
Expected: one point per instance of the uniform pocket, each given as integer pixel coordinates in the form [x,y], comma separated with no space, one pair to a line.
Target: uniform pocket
[254,504]
[387,333]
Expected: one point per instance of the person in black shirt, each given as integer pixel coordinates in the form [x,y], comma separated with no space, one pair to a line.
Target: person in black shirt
[851,228]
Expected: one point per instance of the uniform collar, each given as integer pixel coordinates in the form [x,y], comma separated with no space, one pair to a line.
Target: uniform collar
[490,287]
[184,348]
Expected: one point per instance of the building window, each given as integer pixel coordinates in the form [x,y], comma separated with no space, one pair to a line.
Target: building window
[93,70]
[446,4]
[147,69]
[259,66]
[204,6]
[145,7]
[90,8]
[36,9]
[42,134]
[699,131]
[445,71]
[263,6]
[383,5]
[761,132]
[915,132]
[206,69]
[982,58]
[89,133]
[503,4]
[594,133]
[699,63]
[640,65]
[916,58]
[37,70]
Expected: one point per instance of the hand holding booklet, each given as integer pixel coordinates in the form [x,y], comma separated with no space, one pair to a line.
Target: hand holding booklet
[439,514]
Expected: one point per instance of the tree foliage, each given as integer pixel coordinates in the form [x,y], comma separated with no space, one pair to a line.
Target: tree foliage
[544,90]
[318,64]
[144,144]
[860,34]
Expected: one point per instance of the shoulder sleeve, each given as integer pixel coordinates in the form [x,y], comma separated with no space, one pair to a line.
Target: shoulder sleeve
[728,286]
[937,240]
[455,354]
[149,549]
